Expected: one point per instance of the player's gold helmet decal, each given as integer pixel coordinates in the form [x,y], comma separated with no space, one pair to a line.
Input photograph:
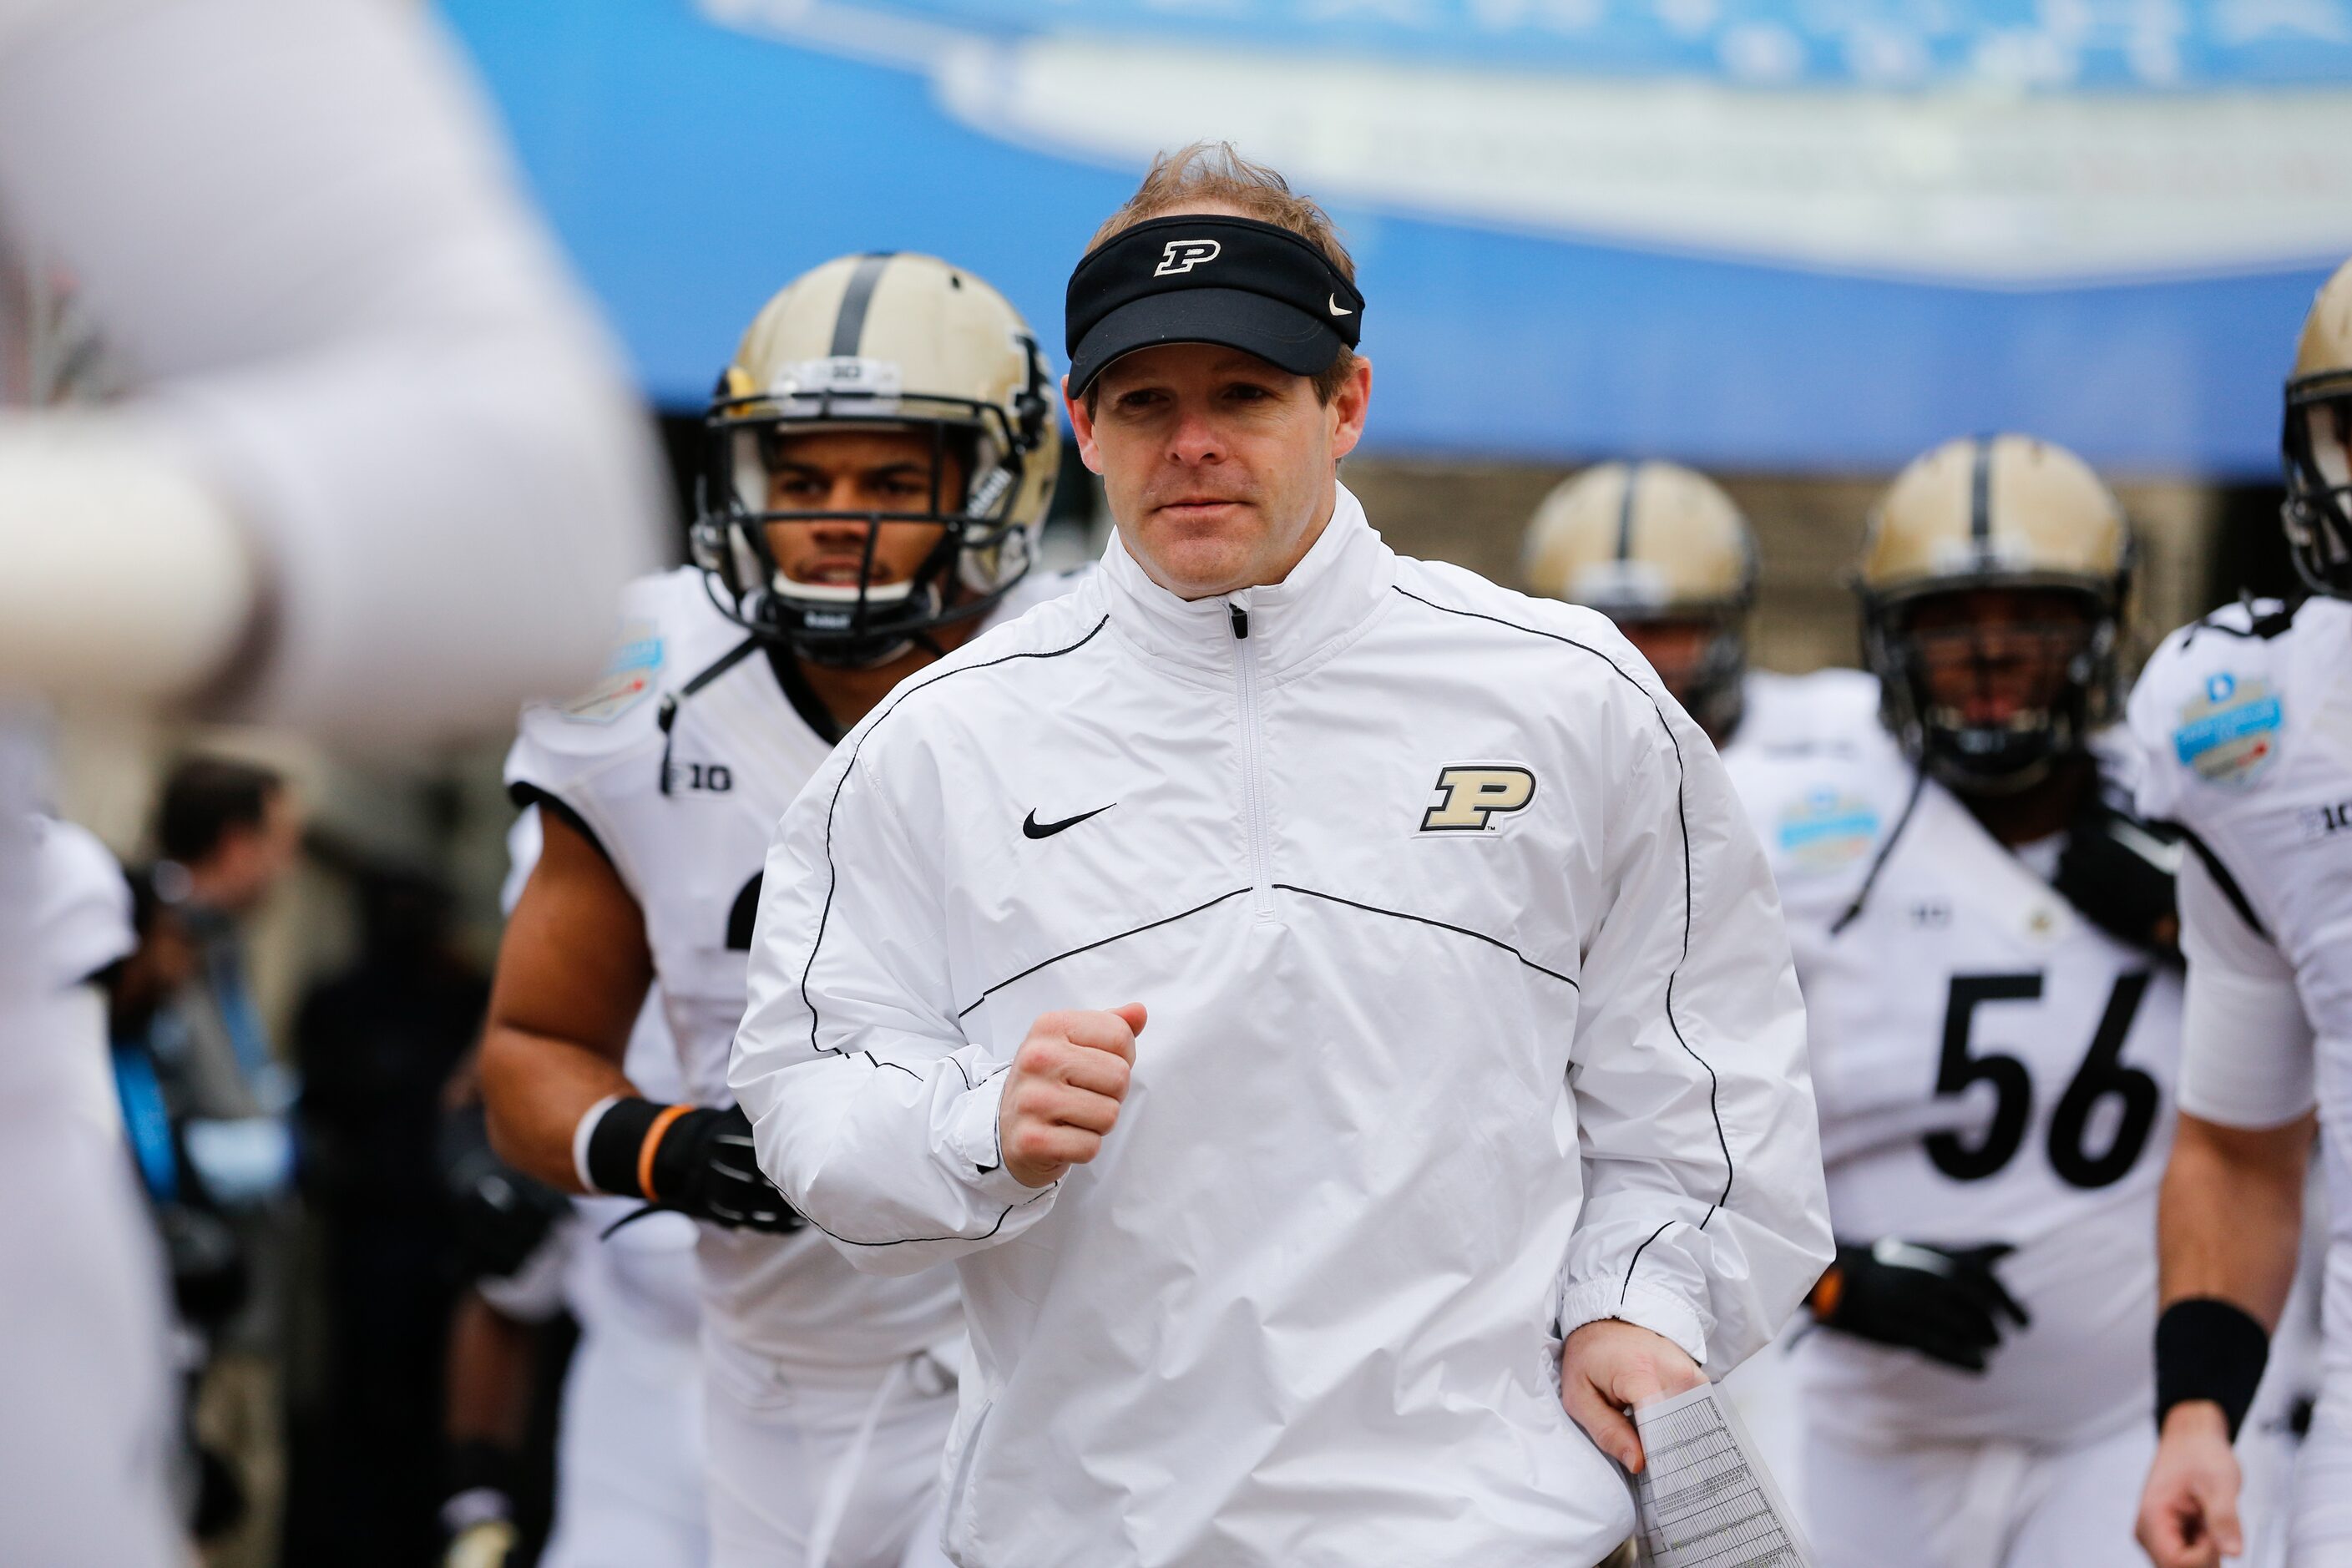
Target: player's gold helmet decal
[2316,442]
[892,339]
[2000,511]
[1651,542]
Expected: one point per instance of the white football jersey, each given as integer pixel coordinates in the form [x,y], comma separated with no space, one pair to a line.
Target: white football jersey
[1777,710]
[1990,1067]
[2245,718]
[736,752]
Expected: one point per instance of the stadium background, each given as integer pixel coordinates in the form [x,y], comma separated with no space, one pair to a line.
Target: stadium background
[1793,242]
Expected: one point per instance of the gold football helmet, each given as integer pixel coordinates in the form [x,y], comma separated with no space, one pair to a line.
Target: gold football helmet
[2317,442]
[2000,511]
[882,340]
[1647,543]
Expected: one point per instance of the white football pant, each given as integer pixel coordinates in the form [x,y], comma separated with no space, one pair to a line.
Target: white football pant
[2322,1536]
[1977,1504]
[840,1470]
[628,1465]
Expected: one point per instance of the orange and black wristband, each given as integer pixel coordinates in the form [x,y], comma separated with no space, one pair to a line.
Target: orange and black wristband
[624,1148]
[1827,1292]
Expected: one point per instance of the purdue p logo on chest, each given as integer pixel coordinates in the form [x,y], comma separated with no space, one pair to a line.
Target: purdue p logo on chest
[1477,797]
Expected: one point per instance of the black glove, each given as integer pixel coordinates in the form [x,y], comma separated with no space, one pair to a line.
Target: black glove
[1944,1303]
[705,1167]
[500,1216]
[2119,872]
[702,1164]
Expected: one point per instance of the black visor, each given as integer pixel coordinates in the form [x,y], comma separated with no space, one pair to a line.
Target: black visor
[1233,282]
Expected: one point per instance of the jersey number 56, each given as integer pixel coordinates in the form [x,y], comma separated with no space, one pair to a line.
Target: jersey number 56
[2101,1076]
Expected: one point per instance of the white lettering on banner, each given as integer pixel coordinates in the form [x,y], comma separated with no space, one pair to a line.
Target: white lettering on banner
[1900,173]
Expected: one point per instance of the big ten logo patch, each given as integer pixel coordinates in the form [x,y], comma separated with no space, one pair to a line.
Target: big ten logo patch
[2229,732]
[2330,821]
[1477,797]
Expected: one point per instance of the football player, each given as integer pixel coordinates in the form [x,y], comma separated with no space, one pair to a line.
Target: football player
[628,1451]
[1661,549]
[880,453]
[1984,937]
[2242,717]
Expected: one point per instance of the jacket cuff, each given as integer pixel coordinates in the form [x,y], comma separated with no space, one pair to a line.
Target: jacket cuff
[1645,1305]
[973,1149]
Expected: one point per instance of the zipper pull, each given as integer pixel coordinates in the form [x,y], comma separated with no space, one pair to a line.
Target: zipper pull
[1241,621]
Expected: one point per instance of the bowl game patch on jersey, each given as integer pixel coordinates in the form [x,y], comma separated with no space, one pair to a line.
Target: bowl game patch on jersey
[628,678]
[2228,731]
[1825,829]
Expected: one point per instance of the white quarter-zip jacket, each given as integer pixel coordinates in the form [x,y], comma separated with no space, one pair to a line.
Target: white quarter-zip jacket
[678,765]
[1472,1021]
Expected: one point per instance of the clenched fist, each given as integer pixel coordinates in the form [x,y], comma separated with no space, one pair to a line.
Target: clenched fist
[1063,1093]
[2189,1513]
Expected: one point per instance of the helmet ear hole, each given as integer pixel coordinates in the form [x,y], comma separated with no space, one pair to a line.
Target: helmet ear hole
[705,544]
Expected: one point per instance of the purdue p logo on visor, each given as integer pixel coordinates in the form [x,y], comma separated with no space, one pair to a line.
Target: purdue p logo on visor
[1183,255]
[1473,795]
[1206,278]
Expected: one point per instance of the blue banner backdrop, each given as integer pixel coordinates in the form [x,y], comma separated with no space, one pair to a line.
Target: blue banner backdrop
[1793,235]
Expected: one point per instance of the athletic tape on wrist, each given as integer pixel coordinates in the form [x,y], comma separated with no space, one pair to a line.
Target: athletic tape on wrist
[579,1136]
[617,1144]
[2207,1348]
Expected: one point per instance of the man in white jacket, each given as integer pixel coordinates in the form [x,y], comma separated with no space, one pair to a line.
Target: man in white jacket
[1473,1027]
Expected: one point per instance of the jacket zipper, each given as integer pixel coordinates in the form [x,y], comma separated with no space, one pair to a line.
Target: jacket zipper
[1261,854]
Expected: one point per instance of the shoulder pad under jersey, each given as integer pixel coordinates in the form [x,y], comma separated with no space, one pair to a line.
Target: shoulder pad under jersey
[668,630]
[1833,707]
[1822,808]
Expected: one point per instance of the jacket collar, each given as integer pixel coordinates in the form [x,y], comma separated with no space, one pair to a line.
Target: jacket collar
[1335,587]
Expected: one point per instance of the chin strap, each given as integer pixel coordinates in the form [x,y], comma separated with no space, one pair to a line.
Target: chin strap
[1878,862]
[667,716]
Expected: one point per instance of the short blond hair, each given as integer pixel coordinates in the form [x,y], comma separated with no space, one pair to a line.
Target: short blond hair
[1212,173]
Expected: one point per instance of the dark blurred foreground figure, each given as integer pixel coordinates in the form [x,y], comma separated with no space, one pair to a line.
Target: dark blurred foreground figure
[378,477]
[376,1044]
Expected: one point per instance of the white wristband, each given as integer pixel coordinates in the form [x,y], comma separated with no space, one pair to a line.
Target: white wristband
[579,1136]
